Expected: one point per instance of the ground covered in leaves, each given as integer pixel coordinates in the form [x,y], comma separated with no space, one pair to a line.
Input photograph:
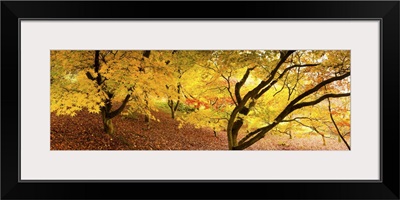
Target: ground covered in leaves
[85,132]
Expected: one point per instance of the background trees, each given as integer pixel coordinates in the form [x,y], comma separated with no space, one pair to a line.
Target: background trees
[246,93]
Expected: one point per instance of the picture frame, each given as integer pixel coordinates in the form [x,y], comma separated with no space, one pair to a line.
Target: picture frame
[387,12]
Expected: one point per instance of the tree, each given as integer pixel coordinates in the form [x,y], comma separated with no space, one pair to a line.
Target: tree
[323,68]
[247,93]
[179,87]
[268,88]
[98,80]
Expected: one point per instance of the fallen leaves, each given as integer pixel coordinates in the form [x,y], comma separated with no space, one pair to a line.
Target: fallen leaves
[85,132]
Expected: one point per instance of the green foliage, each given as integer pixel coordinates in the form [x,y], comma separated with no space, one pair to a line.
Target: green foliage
[185,108]
[182,108]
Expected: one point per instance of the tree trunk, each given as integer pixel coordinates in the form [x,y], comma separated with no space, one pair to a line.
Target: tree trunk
[173,108]
[172,113]
[107,114]
[233,134]
[108,126]
[237,148]
[235,131]
[147,121]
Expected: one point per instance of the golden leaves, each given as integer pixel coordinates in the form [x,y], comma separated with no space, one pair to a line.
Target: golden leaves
[207,76]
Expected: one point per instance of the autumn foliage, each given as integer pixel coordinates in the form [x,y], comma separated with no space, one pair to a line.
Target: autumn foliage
[200,99]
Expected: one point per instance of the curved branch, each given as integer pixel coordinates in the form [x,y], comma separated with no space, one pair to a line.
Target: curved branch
[89,76]
[120,109]
[319,86]
[296,118]
[334,123]
[229,86]
[251,94]
[260,133]
[254,92]
[122,106]
[239,84]
[249,135]
[280,76]
[289,107]
[326,96]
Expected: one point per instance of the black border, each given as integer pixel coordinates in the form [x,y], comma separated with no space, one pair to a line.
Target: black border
[386,11]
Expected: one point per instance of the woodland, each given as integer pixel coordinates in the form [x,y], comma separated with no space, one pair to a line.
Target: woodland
[200,100]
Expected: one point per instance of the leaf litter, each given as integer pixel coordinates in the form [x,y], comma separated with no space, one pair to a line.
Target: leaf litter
[85,132]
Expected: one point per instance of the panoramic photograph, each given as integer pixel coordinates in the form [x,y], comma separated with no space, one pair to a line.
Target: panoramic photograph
[285,100]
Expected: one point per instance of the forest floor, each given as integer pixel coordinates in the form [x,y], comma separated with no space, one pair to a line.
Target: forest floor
[85,132]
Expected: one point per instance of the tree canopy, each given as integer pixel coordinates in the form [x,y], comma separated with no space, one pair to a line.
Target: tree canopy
[246,93]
